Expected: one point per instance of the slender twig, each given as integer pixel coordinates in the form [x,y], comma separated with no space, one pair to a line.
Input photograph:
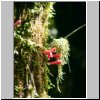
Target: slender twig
[69,67]
[74,31]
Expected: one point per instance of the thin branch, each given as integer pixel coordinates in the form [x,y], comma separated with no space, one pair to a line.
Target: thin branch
[69,67]
[73,32]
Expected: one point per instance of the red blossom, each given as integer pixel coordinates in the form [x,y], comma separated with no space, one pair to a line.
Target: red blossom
[56,56]
[18,22]
[48,53]
[53,50]
[57,62]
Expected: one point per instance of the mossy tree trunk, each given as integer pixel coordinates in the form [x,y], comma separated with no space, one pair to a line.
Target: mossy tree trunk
[30,39]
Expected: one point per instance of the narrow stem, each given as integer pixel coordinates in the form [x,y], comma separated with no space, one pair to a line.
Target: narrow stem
[69,67]
[74,31]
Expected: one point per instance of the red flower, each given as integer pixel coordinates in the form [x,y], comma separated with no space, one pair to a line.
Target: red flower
[56,56]
[55,62]
[18,22]
[53,50]
[48,53]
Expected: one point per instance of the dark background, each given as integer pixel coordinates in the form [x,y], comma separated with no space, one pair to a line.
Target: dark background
[69,16]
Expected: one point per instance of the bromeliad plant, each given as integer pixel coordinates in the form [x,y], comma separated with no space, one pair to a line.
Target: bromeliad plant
[32,52]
